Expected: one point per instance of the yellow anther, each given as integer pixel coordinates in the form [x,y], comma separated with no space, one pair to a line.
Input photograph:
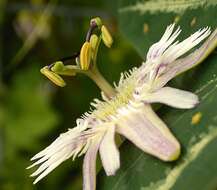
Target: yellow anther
[96,20]
[93,42]
[106,36]
[85,56]
[55,78]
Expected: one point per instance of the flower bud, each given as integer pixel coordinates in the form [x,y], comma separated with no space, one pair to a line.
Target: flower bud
[85,56]
[96,20]
[106,36]
[55,78]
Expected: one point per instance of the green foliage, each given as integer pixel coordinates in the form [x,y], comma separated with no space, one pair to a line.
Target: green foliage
[28,112]
[143,23]
[28,117]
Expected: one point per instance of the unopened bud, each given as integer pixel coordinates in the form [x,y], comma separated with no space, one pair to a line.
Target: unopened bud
[97,21]
[85,56]
[55,78]
[106,36]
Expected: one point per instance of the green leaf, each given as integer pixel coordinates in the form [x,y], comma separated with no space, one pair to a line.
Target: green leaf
[28,113]
[143,23]
[27,118]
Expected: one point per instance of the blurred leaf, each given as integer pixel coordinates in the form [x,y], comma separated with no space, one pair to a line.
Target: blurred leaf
[29,115]
[32,27]
[143,23]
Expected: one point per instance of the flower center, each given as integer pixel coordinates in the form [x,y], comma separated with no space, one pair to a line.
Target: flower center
[105,109]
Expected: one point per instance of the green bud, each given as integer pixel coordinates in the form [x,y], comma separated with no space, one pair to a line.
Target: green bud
[55,78]
[97,20]
[106,36]
[85,56]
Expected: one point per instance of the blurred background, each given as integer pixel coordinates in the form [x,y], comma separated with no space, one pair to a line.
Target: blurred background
[33,111]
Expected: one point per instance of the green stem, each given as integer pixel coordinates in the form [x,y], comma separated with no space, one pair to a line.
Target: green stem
[97,77]
[101,82]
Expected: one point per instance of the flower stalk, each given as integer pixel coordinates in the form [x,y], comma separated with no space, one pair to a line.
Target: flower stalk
[101,82]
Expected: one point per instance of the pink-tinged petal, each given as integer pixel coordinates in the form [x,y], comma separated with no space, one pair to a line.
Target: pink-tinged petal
[89,166]
[145,129]
[109,152]
[183,64]
[157,49]
[173,97]
[64,147]
[197,56]
[179,49]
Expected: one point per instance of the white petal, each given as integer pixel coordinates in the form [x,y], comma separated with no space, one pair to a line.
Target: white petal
[48,170]
[109,153]
[157,49]
[89,166]
[65,146]
[174,52]
[183,64]
[145,129]
[197,56]
[173,97]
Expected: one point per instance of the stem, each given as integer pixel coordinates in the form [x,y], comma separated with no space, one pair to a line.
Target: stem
[97,77]
[101,82]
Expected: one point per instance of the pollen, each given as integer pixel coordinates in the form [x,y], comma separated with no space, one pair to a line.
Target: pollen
[196,118]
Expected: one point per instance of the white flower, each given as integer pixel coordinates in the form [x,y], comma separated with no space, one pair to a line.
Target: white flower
[129,113]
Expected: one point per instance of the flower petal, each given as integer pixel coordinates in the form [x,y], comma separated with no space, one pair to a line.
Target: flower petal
[197,56]
[183,64]
[157,49]
[173,97]
[145,129]
[65,146]
[109,153]
[89,166]
[179,49]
